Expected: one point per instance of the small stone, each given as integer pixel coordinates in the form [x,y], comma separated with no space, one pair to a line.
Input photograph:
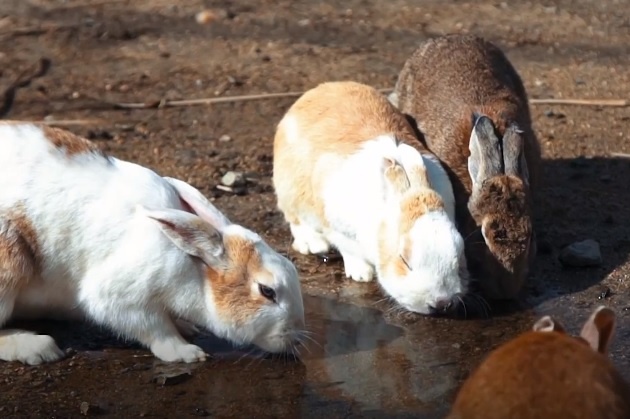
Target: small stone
[233,179]
[85,408]
[581,254]
[205,16]
[172,379]
[225,138]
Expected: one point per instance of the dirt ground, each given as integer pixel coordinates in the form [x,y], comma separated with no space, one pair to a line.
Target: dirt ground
[368,362]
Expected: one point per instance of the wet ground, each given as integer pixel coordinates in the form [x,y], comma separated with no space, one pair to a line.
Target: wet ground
[368,361]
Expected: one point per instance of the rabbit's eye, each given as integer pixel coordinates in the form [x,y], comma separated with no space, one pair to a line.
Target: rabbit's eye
[267,292]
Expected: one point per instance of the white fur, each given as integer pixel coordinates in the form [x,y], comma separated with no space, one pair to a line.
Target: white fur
[436,174]
[437,262]
[356,201]
[104,259]
[393,98]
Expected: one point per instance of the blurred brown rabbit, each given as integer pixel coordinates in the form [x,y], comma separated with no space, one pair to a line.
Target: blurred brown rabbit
[546,373]
[470,105]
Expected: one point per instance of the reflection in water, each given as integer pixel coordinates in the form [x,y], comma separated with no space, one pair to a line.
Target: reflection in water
[360,364]
[379,365]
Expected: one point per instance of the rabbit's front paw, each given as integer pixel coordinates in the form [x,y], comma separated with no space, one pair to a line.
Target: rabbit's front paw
[28,348]
[358,269]
[308,241]
[175,351]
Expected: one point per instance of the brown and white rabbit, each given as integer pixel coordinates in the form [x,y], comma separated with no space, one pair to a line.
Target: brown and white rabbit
[546,373]
[470,105]
[345,178]
[113,242]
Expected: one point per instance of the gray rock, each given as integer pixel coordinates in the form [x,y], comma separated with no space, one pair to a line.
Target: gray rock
[233,179]
[581,254]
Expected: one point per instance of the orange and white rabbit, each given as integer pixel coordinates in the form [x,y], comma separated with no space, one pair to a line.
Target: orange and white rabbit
[346,176]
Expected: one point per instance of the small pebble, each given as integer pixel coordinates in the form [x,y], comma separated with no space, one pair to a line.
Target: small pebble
[581,254]
[233,179]
[172,379]
[205,16]
[225,138]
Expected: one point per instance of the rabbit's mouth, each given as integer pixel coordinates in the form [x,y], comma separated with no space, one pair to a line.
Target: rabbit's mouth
[500,266]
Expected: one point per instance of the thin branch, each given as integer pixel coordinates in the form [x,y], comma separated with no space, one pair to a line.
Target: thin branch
[621,155]
[93,3]
[69,122]
[207,101]
[35,30]
[265,96]
[582,102]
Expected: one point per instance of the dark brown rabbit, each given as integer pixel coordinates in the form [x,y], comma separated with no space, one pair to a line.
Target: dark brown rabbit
[546,373]
[470,106]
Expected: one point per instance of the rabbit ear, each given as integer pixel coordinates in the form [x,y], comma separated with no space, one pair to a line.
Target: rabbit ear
[189,233]
[599,329]
[548,324]
[513,154]
[414,167]
[199,204]
[395,177]
[485,159]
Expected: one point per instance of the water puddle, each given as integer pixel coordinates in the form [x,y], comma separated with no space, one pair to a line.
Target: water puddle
[364,361]
[361,362]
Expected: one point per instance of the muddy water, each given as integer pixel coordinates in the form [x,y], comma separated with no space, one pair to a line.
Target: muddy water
[362,361]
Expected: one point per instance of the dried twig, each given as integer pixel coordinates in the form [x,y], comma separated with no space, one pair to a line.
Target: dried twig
[263,96]
[69,122]
[207,101]
[581,102]
[22,80]
[622,155]
[92,3]
[35,30]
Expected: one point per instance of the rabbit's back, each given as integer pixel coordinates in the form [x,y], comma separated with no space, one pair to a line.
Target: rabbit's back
[540,375]
[75,200]
[447,81]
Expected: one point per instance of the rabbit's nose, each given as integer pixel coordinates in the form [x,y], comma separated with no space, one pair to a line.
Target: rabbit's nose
[441,306]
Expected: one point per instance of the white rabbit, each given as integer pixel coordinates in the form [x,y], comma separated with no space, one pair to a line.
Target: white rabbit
[344,179]
[114,243]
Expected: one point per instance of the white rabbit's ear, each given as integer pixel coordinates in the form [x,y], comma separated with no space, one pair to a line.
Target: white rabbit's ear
[599,329]
[415,168]
[190,233]
[395,178]
[548,324]
[199,204]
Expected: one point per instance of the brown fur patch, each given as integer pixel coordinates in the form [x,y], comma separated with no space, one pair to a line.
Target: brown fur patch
[19,251]
[232,286]
[504,202]
[70,143]
[334,119]
[415,205]
[544,375]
